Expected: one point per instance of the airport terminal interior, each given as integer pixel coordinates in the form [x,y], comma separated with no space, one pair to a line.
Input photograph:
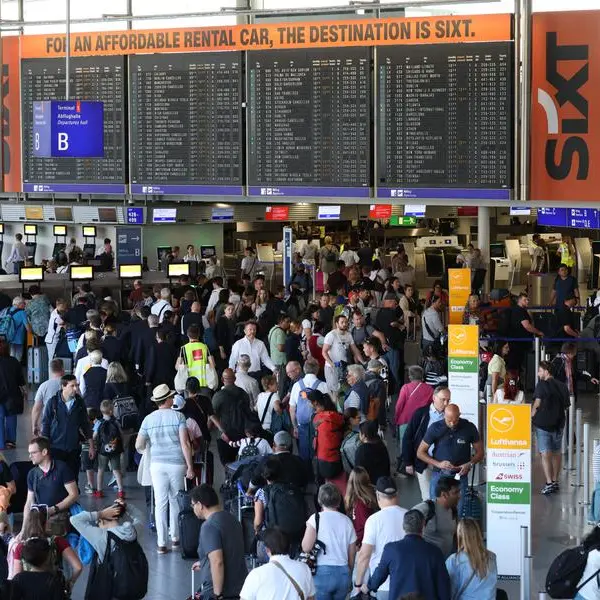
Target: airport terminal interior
[443,148]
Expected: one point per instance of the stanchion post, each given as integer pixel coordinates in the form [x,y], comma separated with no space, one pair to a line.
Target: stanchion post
[578,436]
[586,464]
[571,425]
[525,564]
[536,352]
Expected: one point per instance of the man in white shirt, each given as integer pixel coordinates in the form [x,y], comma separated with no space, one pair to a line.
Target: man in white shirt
[244,381]
[163,305]
[255,349]
[48,389]
[282,578]
[85,363]
[18,254]
[213,300]
[381,528]
[335,350]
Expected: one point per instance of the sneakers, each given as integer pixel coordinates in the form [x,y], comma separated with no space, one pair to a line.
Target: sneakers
[175,544]
[161,550]
[89,489]
[555,486]
[98,494]
[548,489]
[121,495]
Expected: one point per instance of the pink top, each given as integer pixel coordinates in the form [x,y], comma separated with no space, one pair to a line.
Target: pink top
[412,396]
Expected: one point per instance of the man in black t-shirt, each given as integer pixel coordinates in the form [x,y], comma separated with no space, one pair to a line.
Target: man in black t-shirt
[520,326]
[567,322]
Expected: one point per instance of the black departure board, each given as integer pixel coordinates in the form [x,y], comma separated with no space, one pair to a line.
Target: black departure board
[186,123]
[95,78]
[445,121]
[309,122]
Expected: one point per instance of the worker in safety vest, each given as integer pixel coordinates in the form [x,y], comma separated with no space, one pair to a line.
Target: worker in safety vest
[196,356]
[566,251]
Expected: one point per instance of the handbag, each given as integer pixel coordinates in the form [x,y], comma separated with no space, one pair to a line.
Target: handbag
[464,586]
[310,558]
[212,379]
[182,374]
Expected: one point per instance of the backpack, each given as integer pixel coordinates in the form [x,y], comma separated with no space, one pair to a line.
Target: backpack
[374,406]
[123,574]
[8,327]
[250,450]
[126,412]
[330,255]
[304,411]
[551,417]
[110,442]
[594,511]
[285,508]
[54,559]
[566,572]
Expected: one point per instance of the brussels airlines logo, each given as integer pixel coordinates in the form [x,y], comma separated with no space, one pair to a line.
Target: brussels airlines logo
[560,162]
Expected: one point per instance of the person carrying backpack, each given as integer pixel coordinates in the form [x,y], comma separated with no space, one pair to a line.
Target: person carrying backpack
[13,326]
[109,441]
[120,568]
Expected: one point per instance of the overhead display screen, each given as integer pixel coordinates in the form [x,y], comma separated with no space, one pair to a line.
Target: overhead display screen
[309,122]
[583,218]
[552,217]
[445,121]
[186,123]
[97,78]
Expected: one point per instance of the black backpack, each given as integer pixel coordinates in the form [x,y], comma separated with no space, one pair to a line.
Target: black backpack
[285,508]
[566,572]
[123,574]
[110,442]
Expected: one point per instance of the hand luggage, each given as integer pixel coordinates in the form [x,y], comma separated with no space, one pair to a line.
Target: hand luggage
[195,595]
[188,522]
[37,364]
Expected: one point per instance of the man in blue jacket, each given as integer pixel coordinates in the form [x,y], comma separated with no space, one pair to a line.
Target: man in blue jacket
[64,416]
[413,565]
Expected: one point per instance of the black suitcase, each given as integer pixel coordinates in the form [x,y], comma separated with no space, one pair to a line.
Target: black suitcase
[188,523]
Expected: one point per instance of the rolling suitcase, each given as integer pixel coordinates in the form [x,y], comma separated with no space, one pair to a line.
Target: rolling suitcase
[195,595]
[37,364]
[188,523]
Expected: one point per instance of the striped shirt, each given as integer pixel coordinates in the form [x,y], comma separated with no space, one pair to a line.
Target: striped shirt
[161,428]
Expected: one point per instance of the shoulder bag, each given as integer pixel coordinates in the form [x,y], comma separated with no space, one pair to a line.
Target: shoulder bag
[291,579]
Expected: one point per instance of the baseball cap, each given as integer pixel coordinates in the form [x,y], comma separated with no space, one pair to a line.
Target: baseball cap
[387,486]
[178,402]
[282,438]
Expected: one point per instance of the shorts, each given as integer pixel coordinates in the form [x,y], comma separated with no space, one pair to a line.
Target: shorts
[332,379]
[548,441]
[113,461]
[86,463]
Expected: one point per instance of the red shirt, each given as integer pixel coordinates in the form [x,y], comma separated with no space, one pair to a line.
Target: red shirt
[412,396]
[360,514]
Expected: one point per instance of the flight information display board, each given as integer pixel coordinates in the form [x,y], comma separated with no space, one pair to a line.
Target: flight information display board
[98,78]
[552,217]
[309,122]
[186,123]
[445,121]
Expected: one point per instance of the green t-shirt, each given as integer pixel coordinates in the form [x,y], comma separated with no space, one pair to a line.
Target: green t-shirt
[277,338]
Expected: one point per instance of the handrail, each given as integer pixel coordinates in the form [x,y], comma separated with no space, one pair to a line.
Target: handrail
[500,338]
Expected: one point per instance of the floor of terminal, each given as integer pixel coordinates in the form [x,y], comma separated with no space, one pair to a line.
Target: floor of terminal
[559,520]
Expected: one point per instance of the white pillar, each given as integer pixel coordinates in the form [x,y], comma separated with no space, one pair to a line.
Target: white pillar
[483,240]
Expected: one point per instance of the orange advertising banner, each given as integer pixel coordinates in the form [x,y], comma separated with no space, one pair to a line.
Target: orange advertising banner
[459,288]
[565,137]
[11,115]
[368,32]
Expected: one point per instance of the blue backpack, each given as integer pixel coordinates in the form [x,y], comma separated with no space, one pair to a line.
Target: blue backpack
[8,326]
[594,513]
[304,410]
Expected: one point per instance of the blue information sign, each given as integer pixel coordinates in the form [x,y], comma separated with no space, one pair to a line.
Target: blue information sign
[222,214]
[287,255]
[584,218]
[135,215]
[68,129]
[129,245]
[552,217]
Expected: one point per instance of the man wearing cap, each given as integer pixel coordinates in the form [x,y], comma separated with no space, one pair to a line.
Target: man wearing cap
[381,528]
[454,440]
[171,462]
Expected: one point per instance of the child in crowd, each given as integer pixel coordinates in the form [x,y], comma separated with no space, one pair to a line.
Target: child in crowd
[253,444]
[5,529]
[90,466]
[109,441]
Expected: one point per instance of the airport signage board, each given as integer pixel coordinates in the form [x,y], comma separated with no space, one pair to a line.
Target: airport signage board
[68,129]
[459,286]
[463,369]
[380,211]
[134,215]
[288,246]
[277,213]
[565,136]
[129,245]
[508,452]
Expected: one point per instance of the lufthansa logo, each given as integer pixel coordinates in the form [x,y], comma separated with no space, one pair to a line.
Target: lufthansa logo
[502,420]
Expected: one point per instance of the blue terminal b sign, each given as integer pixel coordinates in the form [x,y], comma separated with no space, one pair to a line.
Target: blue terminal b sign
[68,129]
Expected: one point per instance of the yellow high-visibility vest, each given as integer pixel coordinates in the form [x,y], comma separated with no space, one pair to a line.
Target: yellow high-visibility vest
[196,358]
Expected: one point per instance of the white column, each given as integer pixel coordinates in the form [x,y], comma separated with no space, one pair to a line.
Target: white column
[483,240]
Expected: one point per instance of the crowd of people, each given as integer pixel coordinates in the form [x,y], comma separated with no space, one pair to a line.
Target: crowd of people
[312,419]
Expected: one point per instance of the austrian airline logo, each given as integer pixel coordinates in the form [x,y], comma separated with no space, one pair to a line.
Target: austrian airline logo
[566,108]
[78,106]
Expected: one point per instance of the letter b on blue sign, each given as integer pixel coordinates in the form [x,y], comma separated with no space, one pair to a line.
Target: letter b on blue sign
[63,142]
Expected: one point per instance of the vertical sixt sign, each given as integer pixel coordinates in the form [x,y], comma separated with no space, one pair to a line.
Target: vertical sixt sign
[565,140]
[11,115]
